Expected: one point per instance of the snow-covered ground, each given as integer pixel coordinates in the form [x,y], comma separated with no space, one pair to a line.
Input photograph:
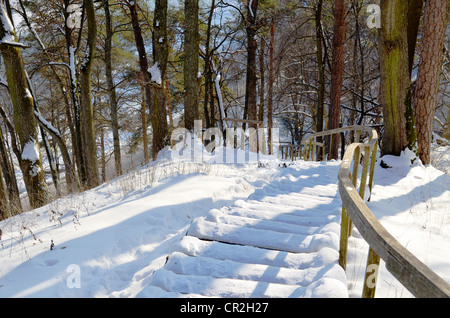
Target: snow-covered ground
[107,242]
[412,201]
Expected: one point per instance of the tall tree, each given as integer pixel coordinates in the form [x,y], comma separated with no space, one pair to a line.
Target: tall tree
[251,79]
[427,84]
[208,73]
[112,89]
[321,68]
[4,200]
[191,56]
[394,73]
[414,13]
[7,167]
[152,78]
[87,113]
[142,54]
[337,73]
[158,111]
[72,48]
[24,120]
[270,88]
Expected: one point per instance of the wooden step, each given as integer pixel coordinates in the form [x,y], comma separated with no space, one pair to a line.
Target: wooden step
[262,238]
[183,264]
[194,246]
[236,288]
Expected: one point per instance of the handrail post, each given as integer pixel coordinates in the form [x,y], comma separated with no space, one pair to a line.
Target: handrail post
[371,276]
[372,167]
[362,186]
[343,243]
[309,148]
[313,150]
[356,166]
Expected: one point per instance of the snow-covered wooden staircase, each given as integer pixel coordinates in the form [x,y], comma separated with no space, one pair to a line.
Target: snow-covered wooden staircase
[281,242]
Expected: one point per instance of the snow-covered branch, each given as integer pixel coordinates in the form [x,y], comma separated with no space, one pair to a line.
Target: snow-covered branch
[46,124]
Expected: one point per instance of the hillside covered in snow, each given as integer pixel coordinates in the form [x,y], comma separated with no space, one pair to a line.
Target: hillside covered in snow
[110,241]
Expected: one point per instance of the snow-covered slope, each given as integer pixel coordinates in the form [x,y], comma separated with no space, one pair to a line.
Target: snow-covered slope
[281,242]
[114,241]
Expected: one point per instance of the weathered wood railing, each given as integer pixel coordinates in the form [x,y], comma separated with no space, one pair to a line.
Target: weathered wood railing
[414,275]
[311,148]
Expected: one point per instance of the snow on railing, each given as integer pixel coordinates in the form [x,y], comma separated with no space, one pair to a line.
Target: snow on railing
[414,275]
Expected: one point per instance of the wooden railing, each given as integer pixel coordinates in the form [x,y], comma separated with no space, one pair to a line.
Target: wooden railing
[414,275]
[311,148]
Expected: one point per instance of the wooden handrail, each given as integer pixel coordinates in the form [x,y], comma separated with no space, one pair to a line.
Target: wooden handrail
[414,275]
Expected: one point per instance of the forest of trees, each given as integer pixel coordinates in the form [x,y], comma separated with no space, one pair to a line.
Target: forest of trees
[83,82]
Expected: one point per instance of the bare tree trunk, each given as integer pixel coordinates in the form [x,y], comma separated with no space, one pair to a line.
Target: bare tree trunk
[394,74]
[427,85]
[144,127]
[447,127]
[154,94]
[321,79]
[5,194]
[208,73]
[251,79]
[72,180]
[337,74]
[191,55]
[143,66]
[7,167]
[169,106]
[48,151]
[414,13]
[87,113]
[77,141]
[262,72]
[103,154]
[270,87]
[158,109]
[112,90]
[5,211]
[24,121]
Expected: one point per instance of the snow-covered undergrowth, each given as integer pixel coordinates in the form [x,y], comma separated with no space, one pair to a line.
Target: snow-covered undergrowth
[117,234]
[107,242]
[412,201]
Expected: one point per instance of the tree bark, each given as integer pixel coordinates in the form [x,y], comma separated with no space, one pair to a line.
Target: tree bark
[77,141]
[143,66]
[191,55]
[158,111]
[337,74]
[251,78]
[72,180]
[5,211]
[394,74]
[7,167]
[24,121]
[87,113]
[144,126]
[208,73]
[270,88]
[262,72]
[321,79]
[112,89]
[414,13]
[154,92]
[427,85]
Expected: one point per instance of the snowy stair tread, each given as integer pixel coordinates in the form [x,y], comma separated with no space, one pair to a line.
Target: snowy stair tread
[282,245]
[194,246]
[183,264]
[237,288]
[268,239]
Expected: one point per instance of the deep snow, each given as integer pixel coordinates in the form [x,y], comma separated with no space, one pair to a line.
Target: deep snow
[107,242]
